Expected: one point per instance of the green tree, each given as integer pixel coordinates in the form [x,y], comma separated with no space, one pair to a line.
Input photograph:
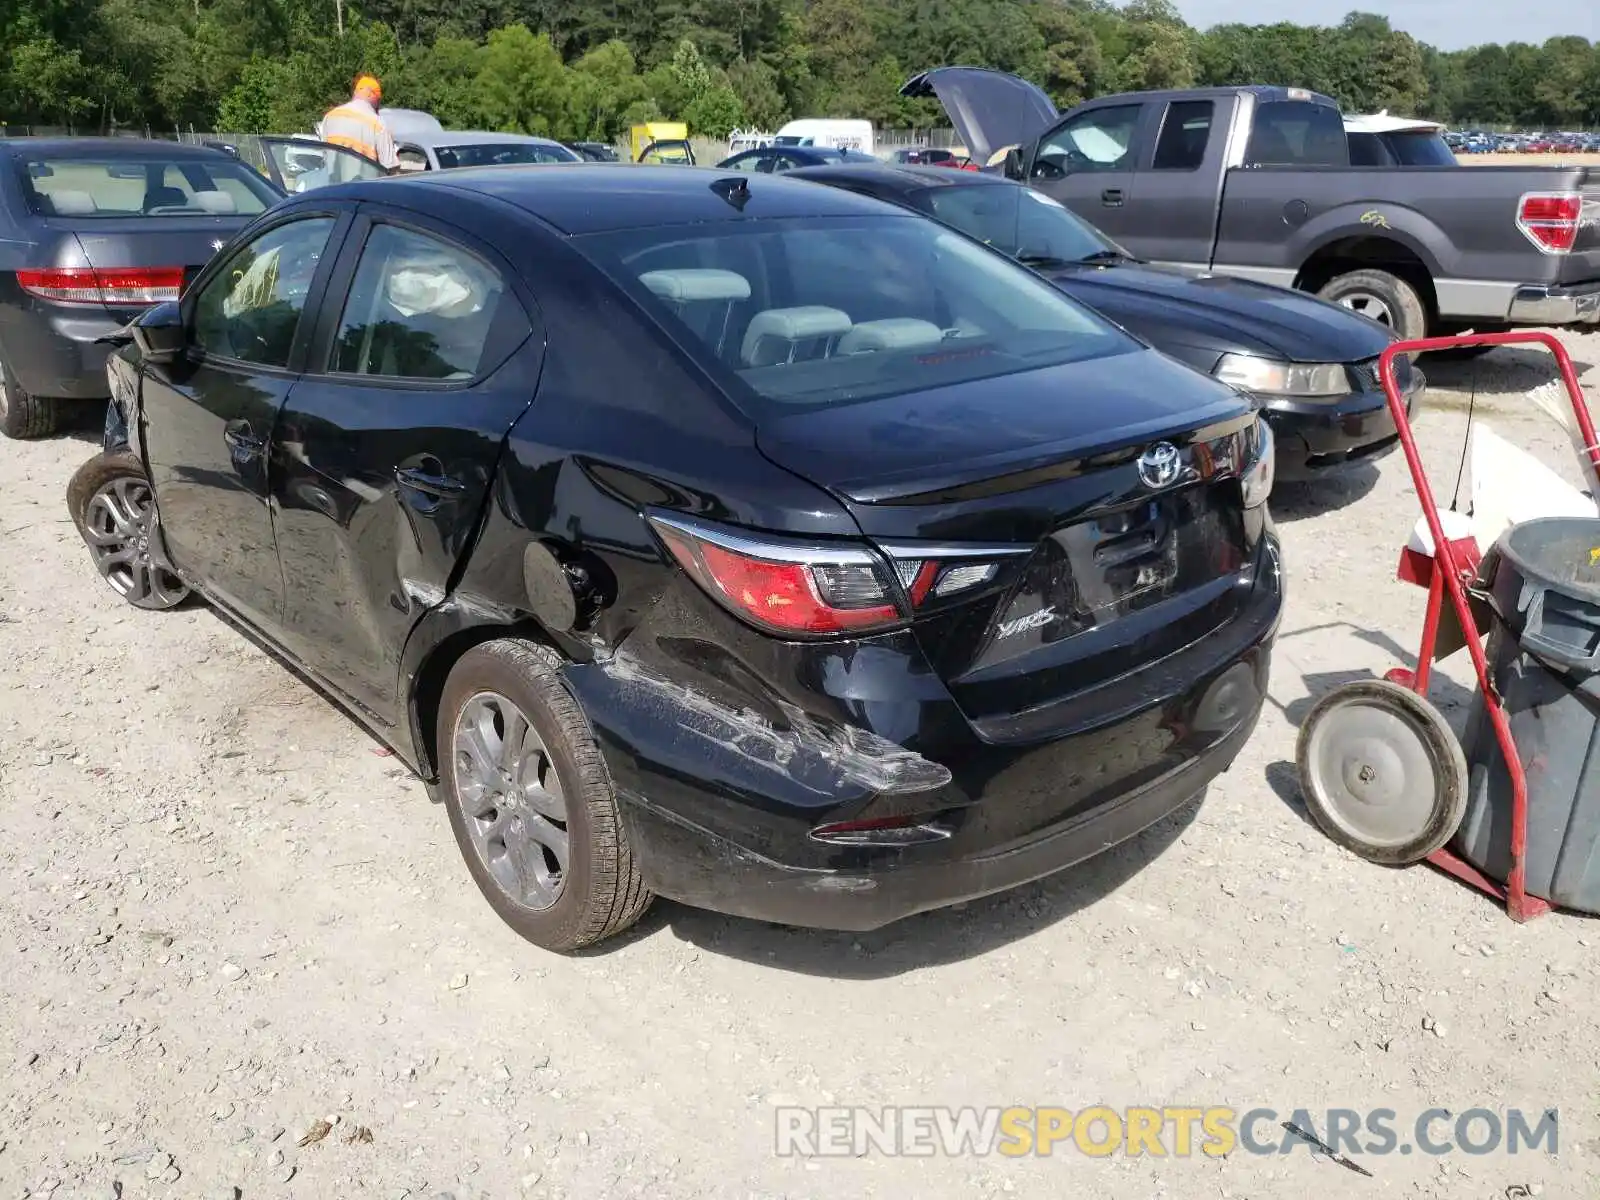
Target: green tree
[521,85]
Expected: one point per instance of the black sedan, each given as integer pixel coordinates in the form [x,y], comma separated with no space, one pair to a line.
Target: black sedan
[769,159]
[736,540]
[92,232]
[1311,364]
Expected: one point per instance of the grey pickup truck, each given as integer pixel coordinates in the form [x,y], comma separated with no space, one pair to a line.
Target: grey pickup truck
[1257,182]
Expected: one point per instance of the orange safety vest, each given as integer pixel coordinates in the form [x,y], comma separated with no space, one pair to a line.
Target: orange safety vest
[354,129]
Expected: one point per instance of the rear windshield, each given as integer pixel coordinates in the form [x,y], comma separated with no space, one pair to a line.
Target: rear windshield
[503,154]
[1297,133]
[1422,148]
[831,311]
[143,186]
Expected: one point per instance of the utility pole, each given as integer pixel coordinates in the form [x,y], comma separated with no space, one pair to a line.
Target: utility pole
[338,12]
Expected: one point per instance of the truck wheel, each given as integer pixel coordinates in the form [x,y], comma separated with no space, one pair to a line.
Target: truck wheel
[1381,297]
[21,415]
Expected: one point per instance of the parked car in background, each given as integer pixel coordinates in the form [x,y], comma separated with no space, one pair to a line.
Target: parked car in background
[1311,365]
[1379,140]
[92,232]
[593,151]
[920,156]
[451,149]
[737,540]
[768,159]
[1256,182]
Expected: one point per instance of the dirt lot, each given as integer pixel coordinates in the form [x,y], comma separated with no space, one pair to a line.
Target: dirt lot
[227,919]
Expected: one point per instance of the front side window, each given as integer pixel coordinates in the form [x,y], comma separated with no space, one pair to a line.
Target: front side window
[1100,140]
[419,308]
[143,186]
[305,165]
[251,309]
[820,312]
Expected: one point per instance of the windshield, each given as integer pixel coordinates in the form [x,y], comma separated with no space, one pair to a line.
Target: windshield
[831,311]
[492,154]
[148,186]
[1017,221]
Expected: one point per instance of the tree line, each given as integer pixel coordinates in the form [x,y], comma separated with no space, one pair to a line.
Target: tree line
[589,68]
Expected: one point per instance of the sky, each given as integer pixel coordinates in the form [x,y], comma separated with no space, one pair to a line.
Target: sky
[1446,24]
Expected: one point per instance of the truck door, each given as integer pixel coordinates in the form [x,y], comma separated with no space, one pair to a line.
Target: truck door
[1087,163]
[1180,183]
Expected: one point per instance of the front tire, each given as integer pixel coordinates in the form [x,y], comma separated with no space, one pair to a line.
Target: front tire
[112,505]
[531,803]
[1381,297]
[24,416]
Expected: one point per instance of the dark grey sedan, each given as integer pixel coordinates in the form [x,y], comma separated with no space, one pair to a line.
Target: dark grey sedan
[92,232]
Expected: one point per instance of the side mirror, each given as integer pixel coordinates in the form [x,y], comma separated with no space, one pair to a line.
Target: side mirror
[159,332]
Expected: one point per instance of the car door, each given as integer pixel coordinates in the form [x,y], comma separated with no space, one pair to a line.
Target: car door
[1087,163]
[1175,223]
[382,457]
[303,164]
[207,416]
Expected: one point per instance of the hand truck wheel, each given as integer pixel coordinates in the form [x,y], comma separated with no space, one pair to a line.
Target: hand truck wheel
[1381,772]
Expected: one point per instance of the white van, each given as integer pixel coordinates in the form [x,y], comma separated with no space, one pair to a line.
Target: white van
[825,131]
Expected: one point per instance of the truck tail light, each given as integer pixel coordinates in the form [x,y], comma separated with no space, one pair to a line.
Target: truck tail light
[121,286]
[1550,220]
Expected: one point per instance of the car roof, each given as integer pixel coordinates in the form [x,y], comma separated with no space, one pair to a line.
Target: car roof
[431,138]
[1384,123]
[579,198]
[902,178]
[102,147]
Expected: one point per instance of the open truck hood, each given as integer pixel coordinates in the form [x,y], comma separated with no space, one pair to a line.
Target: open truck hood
[989,109]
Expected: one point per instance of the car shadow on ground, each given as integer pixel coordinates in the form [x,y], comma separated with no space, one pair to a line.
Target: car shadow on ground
[1302,499]
[1494,378]
[1451,699]
[927,939]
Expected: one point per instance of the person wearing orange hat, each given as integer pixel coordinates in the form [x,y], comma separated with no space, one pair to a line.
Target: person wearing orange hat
[356,125]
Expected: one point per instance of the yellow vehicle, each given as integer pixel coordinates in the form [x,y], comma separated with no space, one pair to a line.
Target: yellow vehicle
[661,142]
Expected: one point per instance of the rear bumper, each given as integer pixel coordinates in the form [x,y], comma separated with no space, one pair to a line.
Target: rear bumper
[53,351]
[1545,304]
[1317,439]
[719,804]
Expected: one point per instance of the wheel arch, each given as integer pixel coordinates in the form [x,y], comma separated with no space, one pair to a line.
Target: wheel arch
[1396,251]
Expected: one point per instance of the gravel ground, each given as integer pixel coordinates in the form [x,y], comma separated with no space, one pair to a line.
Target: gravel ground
[227,919]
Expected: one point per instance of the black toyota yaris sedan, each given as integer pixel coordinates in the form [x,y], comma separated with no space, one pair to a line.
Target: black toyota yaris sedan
[729,539]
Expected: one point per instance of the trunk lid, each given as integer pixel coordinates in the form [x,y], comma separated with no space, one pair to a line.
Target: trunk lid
[186,243]
[989,109]
[1106,494]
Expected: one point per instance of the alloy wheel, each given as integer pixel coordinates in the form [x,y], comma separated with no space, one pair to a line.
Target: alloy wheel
[5,395]
[120,527]
[1374,308]
[512,798]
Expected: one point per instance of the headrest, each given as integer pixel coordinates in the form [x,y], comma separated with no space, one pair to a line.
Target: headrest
[71,204]
[215,202]
[680,287]
[165,197]
[793,325]
[893,333]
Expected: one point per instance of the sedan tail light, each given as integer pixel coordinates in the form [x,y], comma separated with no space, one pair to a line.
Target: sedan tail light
[103,285]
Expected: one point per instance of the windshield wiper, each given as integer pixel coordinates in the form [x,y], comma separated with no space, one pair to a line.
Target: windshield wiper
[1107,256]
[1046,261]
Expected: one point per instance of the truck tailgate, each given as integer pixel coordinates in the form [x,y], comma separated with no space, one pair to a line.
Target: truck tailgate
[1583,264]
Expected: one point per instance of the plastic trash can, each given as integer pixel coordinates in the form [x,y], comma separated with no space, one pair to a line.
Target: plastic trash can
[1544,659]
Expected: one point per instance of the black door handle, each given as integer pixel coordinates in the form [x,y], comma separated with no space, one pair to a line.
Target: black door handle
[1111,197]
[445,487]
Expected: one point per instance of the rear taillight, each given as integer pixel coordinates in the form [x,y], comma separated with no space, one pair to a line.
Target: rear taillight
[107,285]
[1550,220]
[795,587]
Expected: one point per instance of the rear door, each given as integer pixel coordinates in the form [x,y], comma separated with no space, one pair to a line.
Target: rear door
[1088,163]
[1180,182]
[382,456]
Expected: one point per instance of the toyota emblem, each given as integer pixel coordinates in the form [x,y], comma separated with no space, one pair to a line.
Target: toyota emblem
[1158,466]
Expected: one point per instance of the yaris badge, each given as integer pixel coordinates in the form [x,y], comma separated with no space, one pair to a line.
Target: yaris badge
[1158,466]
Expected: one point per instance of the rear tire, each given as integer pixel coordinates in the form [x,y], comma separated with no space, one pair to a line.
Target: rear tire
[24,416]
[1381,297]
[563,881]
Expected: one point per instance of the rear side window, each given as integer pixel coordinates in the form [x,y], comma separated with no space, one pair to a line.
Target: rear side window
[1184,133]
[1366,150]
[1297,133]
[422,308]
[823,312]
[143,186]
